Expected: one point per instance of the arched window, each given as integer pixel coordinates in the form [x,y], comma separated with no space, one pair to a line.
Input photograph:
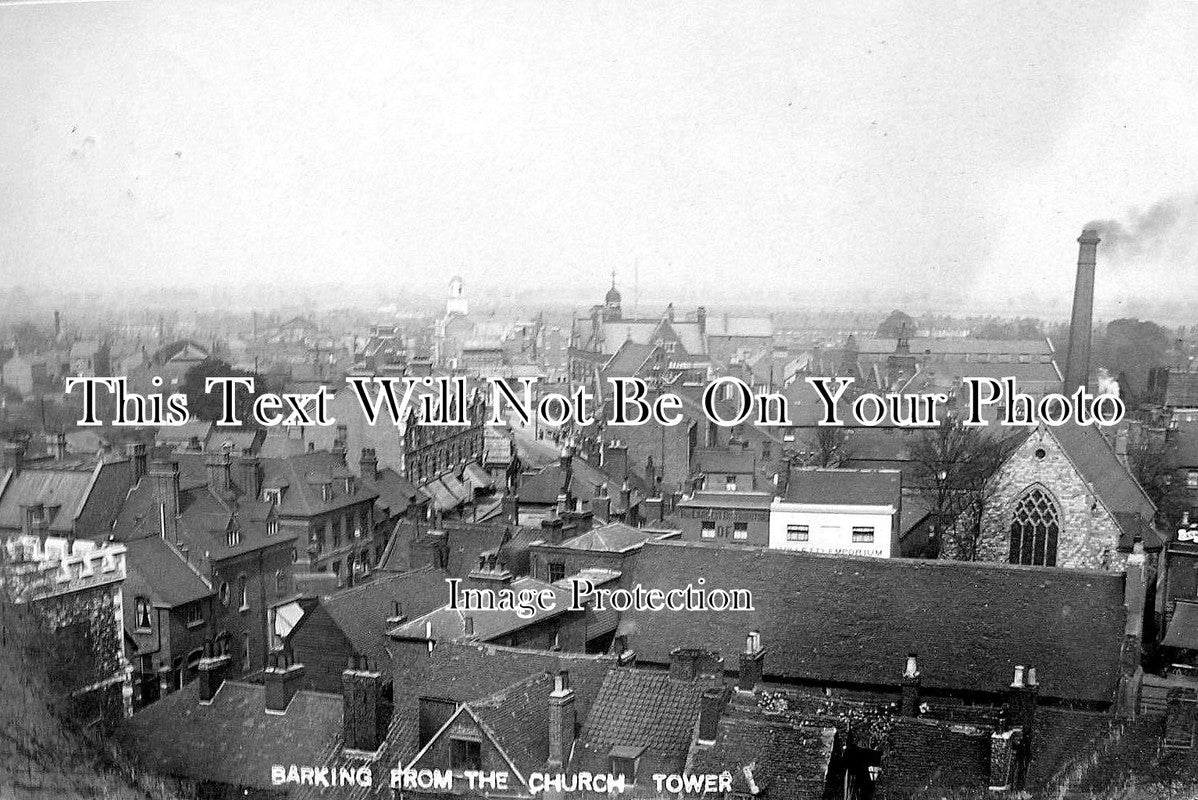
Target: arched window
[1035,526]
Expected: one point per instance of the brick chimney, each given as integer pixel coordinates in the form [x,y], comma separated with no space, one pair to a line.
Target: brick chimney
[711,704]
[219,469]
[211,673]
[553,527]
[1020,704]
[615,459]
[601,504]
[368,464]
[752,662]
[366,708]
[511,508]
[249,475]
[1077,356]
[490,572]
[909,697]
[166,496]
[56,446]
[136,451]
[701,318]
[690,663]
[14,456]
[562,721]
[282,677]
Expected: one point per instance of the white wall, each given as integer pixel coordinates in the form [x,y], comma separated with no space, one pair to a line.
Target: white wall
[830,528]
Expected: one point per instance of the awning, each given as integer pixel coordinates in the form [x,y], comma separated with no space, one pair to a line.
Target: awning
[1183,628]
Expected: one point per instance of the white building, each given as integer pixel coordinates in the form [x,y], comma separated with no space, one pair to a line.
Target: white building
[847,511]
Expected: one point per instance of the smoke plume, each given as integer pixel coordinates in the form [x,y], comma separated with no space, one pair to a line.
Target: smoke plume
[1165,231]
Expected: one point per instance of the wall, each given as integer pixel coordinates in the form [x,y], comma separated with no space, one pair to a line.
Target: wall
[830,530]
[691,521]
[1089,536]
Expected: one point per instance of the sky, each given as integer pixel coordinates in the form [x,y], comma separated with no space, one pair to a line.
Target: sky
[780,150]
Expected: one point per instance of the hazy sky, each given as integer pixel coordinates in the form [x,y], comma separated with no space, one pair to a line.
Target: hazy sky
[789,146]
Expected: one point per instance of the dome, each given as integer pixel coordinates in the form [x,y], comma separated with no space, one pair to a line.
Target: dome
[612,296]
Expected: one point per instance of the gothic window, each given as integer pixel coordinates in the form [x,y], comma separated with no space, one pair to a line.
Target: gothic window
[1035,526]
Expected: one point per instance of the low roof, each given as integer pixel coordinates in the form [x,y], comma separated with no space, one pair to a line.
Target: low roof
[361,612]
[158,570]
[1183,628]
[233,740]
[850,487]
[855,619]
[751,500]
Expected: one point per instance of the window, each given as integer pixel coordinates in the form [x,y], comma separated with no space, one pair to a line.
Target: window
[465,754]
[625,767]
[233,537]
[708,531]
[141,614]
[730,483]
[1035,526]
[280,582]
[245,652]
[336,532]
[798,533]
[225,593]
[862,535]
[557,571]
[272,527]
[740,530]
[1192,479]
[272,496]
[294,555]
[194,615]
[243,593]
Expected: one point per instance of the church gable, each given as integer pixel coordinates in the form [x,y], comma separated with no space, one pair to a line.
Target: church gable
[1041,511]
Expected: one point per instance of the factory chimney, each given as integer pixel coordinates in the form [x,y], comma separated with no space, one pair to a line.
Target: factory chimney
[1077,357]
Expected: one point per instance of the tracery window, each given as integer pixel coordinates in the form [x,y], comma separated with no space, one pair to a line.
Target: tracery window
[1035,527]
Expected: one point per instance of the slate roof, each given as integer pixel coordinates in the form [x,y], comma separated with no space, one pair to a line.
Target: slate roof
[68,489]
[957,345]
[643,708]
[450,624]
[855,619]
[750,500]
[615,537]
[724,461]
[233,740]
[853,487]
[1183,628]
[158,571]
[302,473]
[628,359]
[1095,459]
[361,612]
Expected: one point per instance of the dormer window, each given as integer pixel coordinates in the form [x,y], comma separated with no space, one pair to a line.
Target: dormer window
[233,536]
[273,496]
[272,527]
[142,621]
[326,492]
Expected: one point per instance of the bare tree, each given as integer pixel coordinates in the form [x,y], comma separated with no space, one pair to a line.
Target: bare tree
[954,465]
[830,448]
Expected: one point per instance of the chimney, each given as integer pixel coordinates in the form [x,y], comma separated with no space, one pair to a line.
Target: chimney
[1077,356]
[563,504]
[752,662]
[166,496]
[615,460]
[626,502]
[218,467]
[552,527]
[368,464]
[689,663]
[909,699]
[249,475]
[562,721]
[511,508]
[620,649]
[710,705]
[1020,705]
[57,446]
[601,504]
[490,572]
[14,456]
[282,678]
[366,708]
[136,451]
[701,318]
[211,673]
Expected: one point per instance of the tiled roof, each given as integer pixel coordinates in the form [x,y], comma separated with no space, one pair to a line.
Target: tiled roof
[643,708]
[303,497]
[775,757]
[854,487]
[233,740]
[855,619]
[517,719]
[361,612]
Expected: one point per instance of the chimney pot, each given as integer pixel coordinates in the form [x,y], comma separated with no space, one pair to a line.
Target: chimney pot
[1018,683]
